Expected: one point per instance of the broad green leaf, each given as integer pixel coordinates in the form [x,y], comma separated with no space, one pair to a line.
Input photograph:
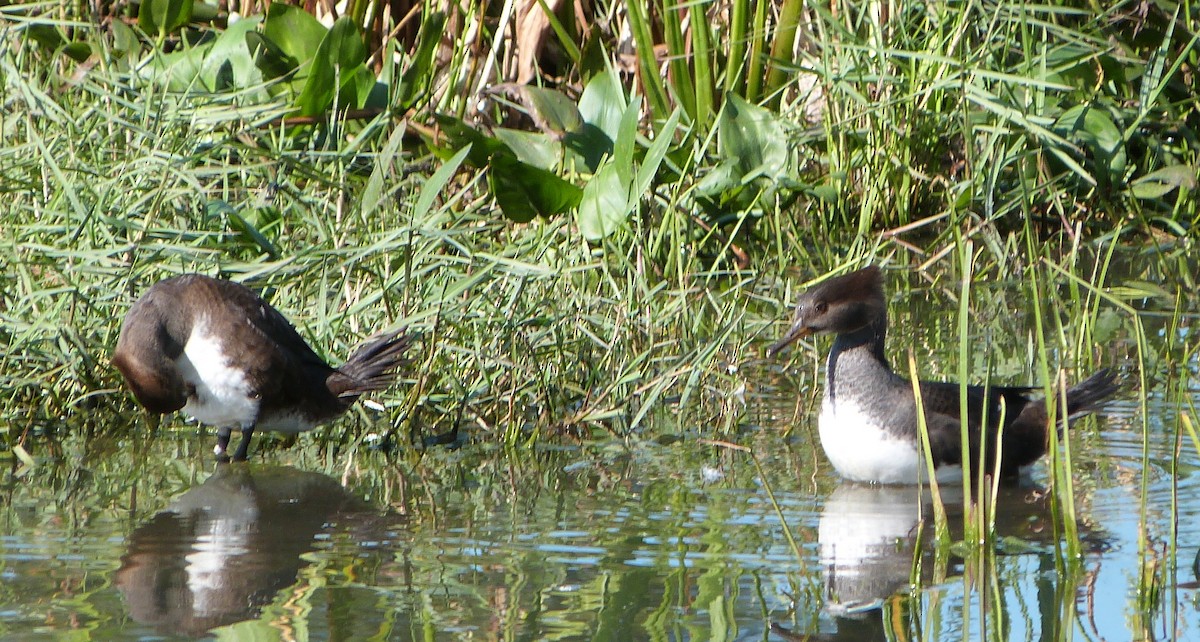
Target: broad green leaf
[1137,289]
[586,147]
[535,149]
[752,139]
[78,51]
[718,179]
[204,12]
[161,17]
[1069,64]
[125,42]
[1159,182]
[603,104]
[269,57]
[1150,190]
[335,64]
[827,192]
[1093,128]
[456,135]
[356,88]
[345,44]
[51,38]
[523,191]
[753,152]
[223,78]
[605,205]
[294,31]
[1108,323]
[552,111]
[379,97]
[178,70]
[46,35]
[593,57]
[228,64]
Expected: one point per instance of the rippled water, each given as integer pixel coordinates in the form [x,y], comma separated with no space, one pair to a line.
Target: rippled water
[610,545]
[631,540]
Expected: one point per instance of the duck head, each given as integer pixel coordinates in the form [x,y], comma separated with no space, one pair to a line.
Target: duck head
[840,305]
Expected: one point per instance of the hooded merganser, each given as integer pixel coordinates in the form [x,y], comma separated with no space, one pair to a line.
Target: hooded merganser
[868,421]
[217,351]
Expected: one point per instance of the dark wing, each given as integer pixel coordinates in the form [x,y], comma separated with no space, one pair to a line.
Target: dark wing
[269,324]
[993,404]
[943,398]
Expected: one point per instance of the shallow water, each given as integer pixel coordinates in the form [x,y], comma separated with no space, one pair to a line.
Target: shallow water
[597,544]
[147,538]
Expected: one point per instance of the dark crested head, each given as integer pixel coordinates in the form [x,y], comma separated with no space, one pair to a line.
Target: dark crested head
[840,305]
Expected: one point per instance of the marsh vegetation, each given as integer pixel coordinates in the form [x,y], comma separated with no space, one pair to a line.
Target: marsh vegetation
[597,220]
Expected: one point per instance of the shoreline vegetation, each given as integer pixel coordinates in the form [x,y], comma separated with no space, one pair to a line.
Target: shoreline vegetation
[581,224]
[597,216]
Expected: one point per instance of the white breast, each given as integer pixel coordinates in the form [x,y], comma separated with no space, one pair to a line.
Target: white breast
[862,450]
[223,395]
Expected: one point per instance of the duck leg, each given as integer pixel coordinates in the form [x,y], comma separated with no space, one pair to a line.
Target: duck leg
[222,444]
[244,444]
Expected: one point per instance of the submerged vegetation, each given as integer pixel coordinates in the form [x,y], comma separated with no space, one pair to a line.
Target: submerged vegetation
[595,220]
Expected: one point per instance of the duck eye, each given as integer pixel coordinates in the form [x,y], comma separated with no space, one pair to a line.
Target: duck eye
[821,307]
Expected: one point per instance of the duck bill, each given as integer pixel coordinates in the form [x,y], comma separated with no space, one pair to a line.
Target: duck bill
[797,331]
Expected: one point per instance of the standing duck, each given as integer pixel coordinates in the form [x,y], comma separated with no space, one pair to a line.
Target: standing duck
[868,420]
[215,350]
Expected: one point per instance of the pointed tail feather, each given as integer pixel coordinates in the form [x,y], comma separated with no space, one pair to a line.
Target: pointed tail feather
[1089,395]
[373,364]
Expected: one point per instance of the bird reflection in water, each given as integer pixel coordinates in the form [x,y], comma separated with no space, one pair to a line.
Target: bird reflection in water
[221,551]
[869,537]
